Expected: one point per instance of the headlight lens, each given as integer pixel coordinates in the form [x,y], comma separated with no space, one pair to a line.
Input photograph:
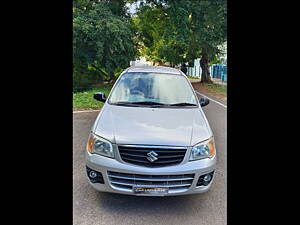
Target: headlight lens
[203,150]
[99,146]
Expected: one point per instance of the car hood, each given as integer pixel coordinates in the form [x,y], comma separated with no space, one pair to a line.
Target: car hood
[152,126]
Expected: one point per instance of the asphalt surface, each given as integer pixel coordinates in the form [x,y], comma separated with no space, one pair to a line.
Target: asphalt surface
[92,207]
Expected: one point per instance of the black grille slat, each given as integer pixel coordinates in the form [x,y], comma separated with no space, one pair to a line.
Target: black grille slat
[133,155]
[168,161]
[157,150]
[134,160]
[144,156]
[171,156]
[138,155]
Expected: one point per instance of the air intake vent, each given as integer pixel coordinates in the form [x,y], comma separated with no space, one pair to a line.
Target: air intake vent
[175,183]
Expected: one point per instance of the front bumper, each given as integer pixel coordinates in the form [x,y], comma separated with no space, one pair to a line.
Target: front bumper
[104,164]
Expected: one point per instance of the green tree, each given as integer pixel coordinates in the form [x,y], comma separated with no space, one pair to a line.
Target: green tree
[152,25]
[103,40]
[190,29]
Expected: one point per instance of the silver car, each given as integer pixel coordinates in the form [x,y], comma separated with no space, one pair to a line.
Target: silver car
[151,137]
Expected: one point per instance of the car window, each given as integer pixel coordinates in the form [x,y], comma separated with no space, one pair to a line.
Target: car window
[153,87]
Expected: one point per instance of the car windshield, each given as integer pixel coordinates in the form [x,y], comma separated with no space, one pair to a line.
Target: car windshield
[153,89]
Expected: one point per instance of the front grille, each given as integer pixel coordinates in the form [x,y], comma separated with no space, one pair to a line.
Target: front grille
[138,155]
[175,183]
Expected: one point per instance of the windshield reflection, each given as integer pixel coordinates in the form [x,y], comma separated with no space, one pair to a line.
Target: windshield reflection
[153,88]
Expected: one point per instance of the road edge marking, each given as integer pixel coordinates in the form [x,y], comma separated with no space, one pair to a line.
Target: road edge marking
[225,106]
[85,111]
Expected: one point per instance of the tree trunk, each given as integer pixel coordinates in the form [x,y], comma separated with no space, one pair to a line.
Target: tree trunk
[205,75]
[111,77]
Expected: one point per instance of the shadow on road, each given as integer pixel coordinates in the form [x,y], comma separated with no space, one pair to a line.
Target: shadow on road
[147,205]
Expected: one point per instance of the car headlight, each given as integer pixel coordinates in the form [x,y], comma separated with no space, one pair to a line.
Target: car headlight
[203,150]
[99,146]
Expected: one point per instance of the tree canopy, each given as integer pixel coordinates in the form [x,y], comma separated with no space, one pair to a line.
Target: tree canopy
[178,31]
[103,39]
[106,37]
[152,25]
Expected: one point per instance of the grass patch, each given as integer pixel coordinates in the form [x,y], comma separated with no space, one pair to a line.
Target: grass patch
[192,77]
[85,100]
[216,88]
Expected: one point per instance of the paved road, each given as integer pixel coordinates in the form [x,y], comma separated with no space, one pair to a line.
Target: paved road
[91,207]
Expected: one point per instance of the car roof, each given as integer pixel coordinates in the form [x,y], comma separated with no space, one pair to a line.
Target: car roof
[153,69]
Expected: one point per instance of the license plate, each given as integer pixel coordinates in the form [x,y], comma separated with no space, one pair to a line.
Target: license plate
[150,190]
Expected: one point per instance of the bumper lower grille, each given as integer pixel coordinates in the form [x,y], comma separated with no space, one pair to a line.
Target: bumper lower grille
[165,156]
[173,182]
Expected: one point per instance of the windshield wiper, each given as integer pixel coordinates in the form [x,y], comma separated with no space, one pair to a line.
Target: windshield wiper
[153,103]
[147,103]
[138,103]
[123,103]
[183,104]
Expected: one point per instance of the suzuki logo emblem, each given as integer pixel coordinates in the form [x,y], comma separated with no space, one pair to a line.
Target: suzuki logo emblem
[152,156]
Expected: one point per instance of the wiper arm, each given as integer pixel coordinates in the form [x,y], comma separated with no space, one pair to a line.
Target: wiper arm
[183,104]
[153,103]
[123,103]
[138,103]
[147,103]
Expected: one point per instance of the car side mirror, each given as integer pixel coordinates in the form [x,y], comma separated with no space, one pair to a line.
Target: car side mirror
[99,96]
[204,101]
